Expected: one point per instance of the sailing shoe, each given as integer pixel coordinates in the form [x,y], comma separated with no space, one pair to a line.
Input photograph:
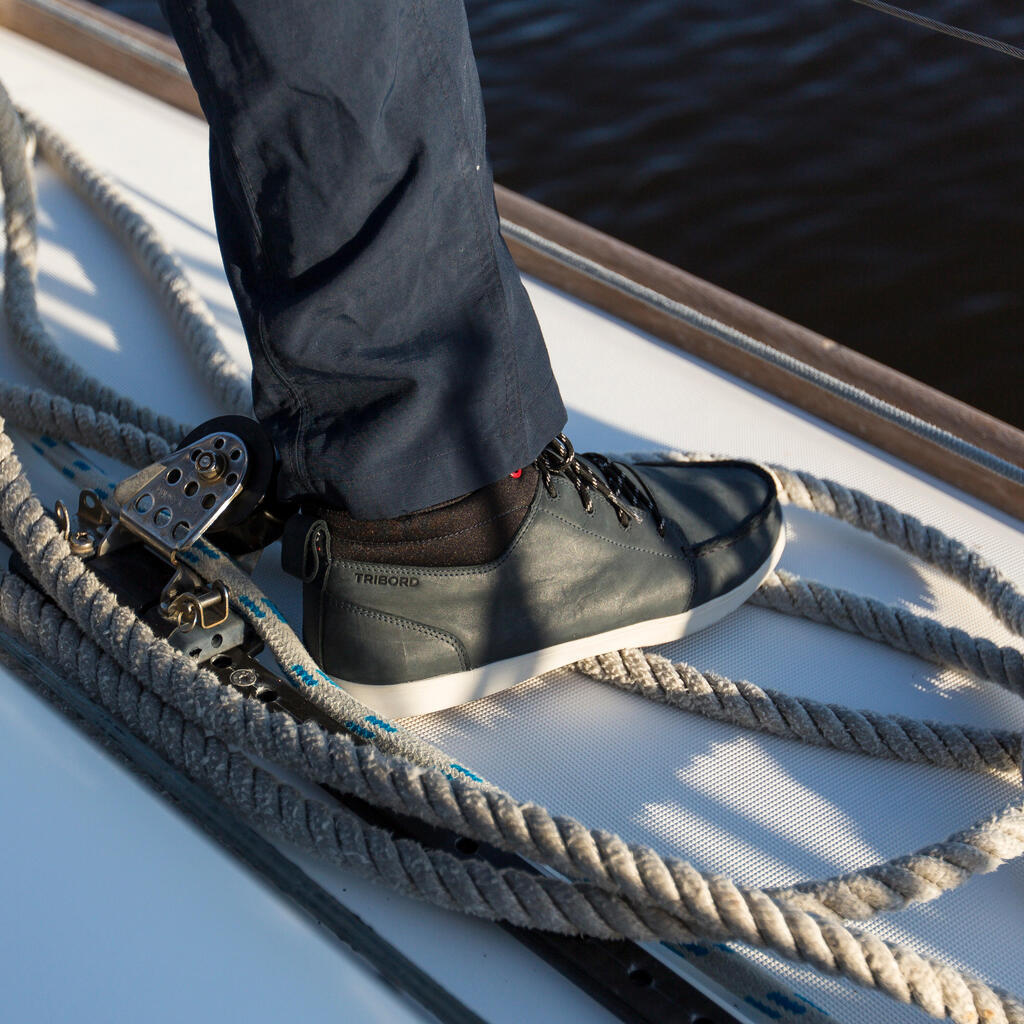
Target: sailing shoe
[593,555]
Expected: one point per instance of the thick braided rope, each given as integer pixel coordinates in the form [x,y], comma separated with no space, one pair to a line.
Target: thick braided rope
[745,704]
[327,829]
[30,334]
[895,626]
[471,886]
[42,412]
[841,948]
[941,867]
[922,876]
[192,317]
[908,533]
[710,906]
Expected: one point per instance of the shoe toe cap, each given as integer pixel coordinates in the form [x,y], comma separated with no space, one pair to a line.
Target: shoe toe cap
[728,515]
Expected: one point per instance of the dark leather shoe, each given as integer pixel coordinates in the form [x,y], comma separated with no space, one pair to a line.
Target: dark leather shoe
[609,555]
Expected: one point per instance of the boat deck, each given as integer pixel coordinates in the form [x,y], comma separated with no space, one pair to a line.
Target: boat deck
[112,892]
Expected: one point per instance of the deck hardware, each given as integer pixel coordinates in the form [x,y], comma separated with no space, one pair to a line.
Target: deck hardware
[170,504]
[203,645]
[221,477]
[243,678]
[85,529]
[207,606]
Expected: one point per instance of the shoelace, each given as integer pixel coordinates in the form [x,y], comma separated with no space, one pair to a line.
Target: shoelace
[622,488]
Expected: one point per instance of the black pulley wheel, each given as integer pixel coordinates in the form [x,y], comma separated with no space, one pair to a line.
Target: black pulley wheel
[255,518]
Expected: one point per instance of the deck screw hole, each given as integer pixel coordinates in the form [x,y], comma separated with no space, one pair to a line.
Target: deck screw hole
[640,977]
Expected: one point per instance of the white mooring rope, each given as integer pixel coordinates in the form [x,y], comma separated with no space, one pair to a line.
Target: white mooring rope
[610,888]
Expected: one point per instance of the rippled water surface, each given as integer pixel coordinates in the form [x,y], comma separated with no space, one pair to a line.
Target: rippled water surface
[856,174]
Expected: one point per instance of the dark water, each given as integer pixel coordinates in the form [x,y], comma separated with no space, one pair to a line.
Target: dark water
[856,174]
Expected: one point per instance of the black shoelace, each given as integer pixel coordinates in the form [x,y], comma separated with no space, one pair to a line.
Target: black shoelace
[622,488]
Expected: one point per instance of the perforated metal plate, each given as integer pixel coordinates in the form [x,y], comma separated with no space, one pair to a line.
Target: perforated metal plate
[173,506]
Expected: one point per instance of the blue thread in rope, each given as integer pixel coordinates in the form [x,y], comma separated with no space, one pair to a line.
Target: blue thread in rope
[380,723]
[464,771]
[250,605]
[358,730]
[303,674]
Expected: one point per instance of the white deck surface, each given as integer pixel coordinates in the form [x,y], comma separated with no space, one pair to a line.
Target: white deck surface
[116,907]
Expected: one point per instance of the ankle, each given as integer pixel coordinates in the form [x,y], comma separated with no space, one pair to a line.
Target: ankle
[469,530]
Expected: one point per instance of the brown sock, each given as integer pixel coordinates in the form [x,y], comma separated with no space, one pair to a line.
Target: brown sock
[470,530]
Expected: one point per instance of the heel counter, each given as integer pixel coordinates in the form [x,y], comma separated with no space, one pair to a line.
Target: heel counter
[352,641]
[306,555]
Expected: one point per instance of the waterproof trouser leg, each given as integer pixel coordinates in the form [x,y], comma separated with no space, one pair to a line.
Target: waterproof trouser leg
[397,361]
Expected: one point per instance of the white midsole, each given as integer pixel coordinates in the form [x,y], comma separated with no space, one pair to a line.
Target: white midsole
[422,696]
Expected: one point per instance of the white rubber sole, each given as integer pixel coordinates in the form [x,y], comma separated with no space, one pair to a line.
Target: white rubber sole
[421,696]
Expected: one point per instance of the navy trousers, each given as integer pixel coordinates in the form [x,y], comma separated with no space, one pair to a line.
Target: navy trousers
[397,361]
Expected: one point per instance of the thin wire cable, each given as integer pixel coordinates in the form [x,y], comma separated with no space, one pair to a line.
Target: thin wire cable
[947,30]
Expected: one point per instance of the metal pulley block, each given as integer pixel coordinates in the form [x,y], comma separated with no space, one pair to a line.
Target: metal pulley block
[219,484]
[170,504]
